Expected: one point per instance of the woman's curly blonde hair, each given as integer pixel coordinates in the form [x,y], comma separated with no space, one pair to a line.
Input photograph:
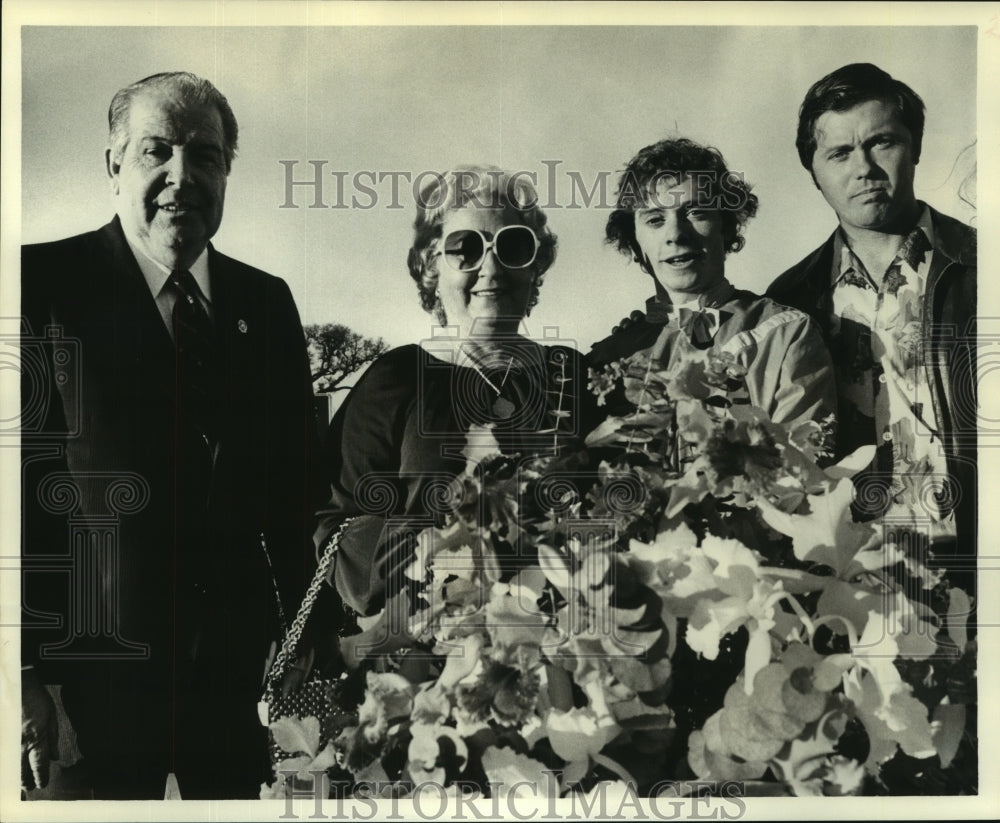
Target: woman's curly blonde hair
[483,187]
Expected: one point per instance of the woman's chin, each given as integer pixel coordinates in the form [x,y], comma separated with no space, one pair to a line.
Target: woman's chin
[491,325]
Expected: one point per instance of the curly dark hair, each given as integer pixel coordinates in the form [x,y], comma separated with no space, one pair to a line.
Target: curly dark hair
[848,87]
[485,186]
[676,159]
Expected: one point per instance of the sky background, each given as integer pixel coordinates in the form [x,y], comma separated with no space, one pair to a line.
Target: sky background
[417,99]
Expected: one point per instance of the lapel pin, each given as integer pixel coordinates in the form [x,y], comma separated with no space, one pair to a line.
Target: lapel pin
[242,326]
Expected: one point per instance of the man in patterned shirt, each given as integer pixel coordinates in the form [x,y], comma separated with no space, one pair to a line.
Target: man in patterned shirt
[894,291]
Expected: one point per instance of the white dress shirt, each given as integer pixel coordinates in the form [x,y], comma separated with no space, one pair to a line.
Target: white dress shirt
[157,277]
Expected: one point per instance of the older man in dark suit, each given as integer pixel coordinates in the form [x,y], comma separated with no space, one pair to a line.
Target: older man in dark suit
[168,437]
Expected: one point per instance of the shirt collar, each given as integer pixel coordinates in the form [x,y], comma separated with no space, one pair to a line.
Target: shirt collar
[156,275]
[846,263]
[926,224]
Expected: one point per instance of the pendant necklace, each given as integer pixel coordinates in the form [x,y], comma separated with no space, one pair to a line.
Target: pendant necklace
[502,407]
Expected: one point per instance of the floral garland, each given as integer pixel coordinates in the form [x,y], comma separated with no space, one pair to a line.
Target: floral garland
[690,599]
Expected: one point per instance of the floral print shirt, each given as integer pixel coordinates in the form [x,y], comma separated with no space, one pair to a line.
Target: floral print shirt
[876,339]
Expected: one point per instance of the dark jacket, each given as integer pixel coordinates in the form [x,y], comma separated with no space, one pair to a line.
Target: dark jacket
[151,590]
[402,435]
[949,323]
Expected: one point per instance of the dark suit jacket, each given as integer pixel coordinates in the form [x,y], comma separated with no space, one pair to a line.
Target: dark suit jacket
[949,339]
[179,585]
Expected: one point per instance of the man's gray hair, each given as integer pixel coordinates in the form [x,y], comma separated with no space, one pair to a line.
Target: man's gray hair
[188,87]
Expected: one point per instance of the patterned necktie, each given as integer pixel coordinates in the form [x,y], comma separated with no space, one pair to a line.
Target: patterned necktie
[196,360]
[697,325]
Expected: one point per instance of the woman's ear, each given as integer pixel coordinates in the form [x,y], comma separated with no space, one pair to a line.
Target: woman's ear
[438,310]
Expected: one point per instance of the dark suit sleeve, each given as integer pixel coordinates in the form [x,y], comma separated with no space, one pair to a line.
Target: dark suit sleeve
[803,286]
[295,485]
[43,432]
[364,457]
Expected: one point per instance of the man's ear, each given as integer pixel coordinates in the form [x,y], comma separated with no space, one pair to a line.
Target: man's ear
[112,169]
[639,256]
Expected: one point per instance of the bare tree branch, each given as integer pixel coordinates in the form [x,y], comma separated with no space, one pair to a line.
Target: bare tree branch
[336,352]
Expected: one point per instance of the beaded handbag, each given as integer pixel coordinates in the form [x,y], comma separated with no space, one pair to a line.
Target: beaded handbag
[316,697]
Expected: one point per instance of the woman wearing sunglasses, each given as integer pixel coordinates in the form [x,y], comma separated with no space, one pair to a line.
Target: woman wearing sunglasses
[481,248]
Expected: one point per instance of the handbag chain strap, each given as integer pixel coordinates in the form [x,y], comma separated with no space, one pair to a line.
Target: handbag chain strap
[274,583]
[294,632]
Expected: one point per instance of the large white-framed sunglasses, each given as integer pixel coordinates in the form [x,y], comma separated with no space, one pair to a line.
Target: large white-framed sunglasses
[515,247]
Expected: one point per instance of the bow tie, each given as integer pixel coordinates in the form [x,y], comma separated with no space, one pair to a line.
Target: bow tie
[698,325]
